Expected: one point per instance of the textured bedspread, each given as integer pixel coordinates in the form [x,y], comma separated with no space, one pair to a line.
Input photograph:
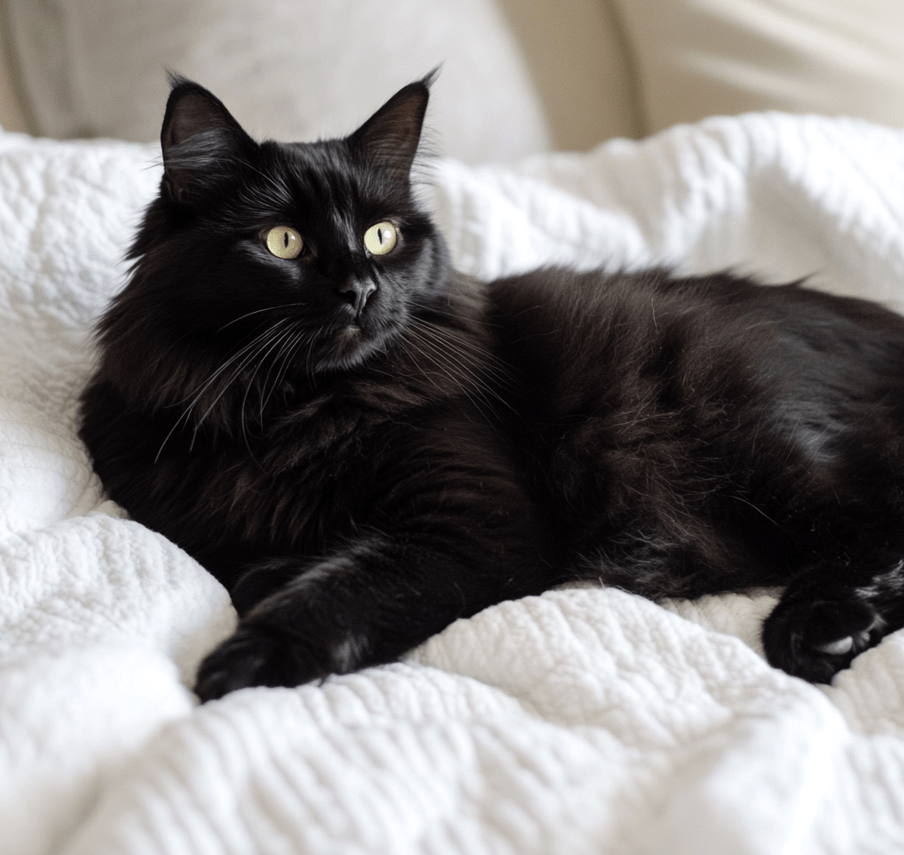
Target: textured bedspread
[582,721]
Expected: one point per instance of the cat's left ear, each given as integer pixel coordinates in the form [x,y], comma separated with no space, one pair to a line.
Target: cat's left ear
[199,137]
[391,136]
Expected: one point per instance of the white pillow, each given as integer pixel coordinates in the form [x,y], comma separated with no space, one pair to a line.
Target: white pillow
[697,58]
[289,69]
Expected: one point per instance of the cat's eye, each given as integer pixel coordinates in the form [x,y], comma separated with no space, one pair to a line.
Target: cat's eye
[381,238]
[284,242]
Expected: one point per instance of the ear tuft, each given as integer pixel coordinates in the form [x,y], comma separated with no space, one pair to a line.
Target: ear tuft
[198,134]
[391,136]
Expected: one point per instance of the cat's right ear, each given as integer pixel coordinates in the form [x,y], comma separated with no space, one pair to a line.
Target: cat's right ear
[389,139]
[199,136]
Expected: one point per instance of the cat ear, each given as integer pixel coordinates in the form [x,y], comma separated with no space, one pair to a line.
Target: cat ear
[390,137]
[199,134]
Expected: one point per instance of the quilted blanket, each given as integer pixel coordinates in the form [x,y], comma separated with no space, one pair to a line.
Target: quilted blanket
[582,721]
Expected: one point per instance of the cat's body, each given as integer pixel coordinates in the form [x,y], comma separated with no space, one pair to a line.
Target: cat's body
[364,445]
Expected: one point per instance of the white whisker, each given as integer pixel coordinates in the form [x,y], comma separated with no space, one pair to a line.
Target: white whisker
[259,311]
[446,353]
[243,357]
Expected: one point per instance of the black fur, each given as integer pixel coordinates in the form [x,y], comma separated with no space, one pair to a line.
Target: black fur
[363,448]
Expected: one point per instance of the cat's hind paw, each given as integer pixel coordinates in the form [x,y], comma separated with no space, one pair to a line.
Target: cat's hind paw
[850,643]
[815,639]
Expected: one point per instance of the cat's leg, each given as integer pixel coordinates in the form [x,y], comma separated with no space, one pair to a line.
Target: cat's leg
[846,595]
[831,612]
[453,533]
[366,605]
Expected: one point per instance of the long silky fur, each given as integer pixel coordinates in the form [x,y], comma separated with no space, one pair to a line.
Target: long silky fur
[360,477]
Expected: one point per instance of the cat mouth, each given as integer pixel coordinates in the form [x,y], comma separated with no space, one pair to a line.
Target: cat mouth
[353,333]
[356,337]
[351,344]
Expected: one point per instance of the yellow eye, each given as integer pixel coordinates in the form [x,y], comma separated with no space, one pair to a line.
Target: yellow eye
[381,238]
[284,242]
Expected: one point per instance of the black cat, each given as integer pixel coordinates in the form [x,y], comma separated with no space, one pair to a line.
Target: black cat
[363,445]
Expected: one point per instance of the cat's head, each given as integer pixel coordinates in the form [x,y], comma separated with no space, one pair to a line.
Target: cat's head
[321,242]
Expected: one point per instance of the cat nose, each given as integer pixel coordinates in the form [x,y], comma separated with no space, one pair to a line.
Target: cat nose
[357,293]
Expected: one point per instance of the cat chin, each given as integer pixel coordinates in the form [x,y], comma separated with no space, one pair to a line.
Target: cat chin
[349,348]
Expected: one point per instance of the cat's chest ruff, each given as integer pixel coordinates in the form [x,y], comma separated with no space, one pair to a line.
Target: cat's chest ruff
[337,430]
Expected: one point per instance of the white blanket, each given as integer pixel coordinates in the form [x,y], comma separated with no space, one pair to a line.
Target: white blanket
[582,721]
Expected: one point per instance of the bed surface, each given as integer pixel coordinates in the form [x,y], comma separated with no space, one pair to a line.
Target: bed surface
[582,721]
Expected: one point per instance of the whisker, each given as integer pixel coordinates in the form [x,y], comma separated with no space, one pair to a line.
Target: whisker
[486,360]
[467,352]
[277,367]
[287,353]
[261,341]
[475,394]
[243,356]
[258,311]
[237,355]
[442,353]
[275,341]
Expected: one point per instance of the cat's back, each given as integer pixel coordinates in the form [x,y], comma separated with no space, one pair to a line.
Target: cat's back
[698,408]
[654,366]
[567,333]
[562,326]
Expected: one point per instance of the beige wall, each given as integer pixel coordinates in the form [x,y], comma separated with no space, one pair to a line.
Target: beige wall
[605,68]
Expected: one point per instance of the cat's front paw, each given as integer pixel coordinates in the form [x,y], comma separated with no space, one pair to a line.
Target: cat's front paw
[252,657]
[291,638]
[815,639]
